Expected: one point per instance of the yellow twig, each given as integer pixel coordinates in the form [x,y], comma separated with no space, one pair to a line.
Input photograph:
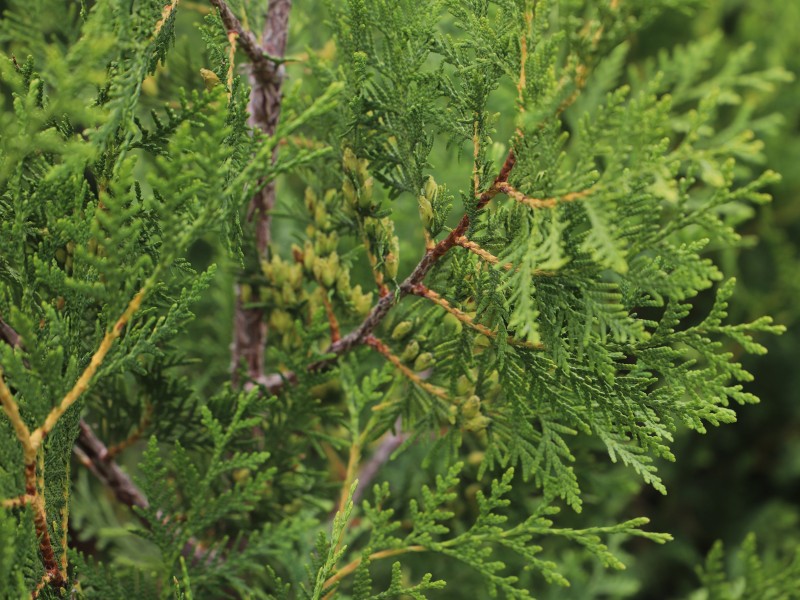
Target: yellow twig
[352,566]
[21,430]
[544,202]
[352,467]
[232,35]
[17,502]
[165,13]
[484,254]
[523,56]
[421,290]
[86,377]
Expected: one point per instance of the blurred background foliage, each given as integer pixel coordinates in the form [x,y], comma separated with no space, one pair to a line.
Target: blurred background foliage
[732,481]
[744,478]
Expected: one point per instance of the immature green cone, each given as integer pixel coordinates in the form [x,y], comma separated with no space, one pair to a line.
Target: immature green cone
[326,269]
[430,188]
[452,324]
[343,281]
[210,79]
[362,302]
[245,293]
[349,160]
[310,200]
[477,423]
[402,329]
[281,321]
[410,352]
[308,257]
[321,218]
[464,385]
[390,265]
[425,212]
[349,192]
[362,169]
[365,194]
[471,407]
[424,361]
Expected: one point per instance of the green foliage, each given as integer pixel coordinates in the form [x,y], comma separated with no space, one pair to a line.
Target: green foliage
[752,578]
[573,303]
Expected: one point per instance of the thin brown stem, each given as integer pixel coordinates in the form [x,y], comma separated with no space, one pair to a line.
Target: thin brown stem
[421,290]
[33,494]
[247,40]
[135,435]
[544,202]
[383,349]
[359,335]
[94,455]
[478,251]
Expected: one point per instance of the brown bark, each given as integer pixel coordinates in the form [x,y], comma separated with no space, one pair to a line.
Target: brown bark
[266,80]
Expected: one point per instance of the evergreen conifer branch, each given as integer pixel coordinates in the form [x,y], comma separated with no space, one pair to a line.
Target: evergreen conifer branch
[384,350]
[82,384]
[245,38]
[562,322]
[360,334]
[53,572]
[96,457]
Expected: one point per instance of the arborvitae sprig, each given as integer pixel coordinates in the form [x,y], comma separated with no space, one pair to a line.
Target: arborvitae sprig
[753,578]
[557,313]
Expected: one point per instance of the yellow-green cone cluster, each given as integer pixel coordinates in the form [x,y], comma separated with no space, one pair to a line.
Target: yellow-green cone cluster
[357,189]
[319,257]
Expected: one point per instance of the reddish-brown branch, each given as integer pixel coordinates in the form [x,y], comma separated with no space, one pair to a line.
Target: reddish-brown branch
[96,457]
[247,41]
[135,435]
[266,80]
[360,334]
[32,489]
